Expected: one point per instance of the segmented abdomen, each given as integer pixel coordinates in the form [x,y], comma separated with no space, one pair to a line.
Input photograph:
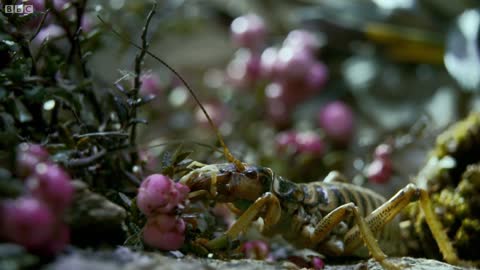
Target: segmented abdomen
[328,196]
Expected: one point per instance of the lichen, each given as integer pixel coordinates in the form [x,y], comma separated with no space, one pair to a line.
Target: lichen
[455,191]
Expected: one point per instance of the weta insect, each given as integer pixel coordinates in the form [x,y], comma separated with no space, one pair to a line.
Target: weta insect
[331,216]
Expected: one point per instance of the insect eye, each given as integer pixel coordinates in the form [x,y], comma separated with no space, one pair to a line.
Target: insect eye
[251,173]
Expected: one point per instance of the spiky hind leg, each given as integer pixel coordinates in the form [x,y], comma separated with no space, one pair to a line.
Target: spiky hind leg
[325,226]
[387,211]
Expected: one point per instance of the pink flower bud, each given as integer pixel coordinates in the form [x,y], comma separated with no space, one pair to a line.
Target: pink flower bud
[26,221]
[302,39]
[336,119]
[159,194]
[166,232]
[316,77]
[256,249]
[379,171]
[248,31]
[51,184]
[293,64]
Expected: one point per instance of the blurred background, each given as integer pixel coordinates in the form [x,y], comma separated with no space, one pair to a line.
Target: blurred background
[393,72]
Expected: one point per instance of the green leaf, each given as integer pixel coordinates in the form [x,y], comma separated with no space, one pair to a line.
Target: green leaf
[125,199]
[9,187]
[21,112]
[69,98]
[121,108]
[181,156]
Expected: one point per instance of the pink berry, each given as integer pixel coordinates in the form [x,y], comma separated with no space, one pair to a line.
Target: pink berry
[310,142]
[288,94]
[255,249]
[379,171]
[39,5]
[317,263]
[27,221]
[51,31]
[316,77]
[149,160]
[244,69]
[336,119]
[268,60]
[28,157]
[51,184]
[277,104]
[56,243]
[248,31]
[218,113]
[383,151]
[87,23]
[166,232]
[35,149]
[293,64]
[159,194]
[302,39]
[151,85]
[183,191]
[286,140]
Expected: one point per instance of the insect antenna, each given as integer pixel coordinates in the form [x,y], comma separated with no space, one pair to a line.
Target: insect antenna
[228,155]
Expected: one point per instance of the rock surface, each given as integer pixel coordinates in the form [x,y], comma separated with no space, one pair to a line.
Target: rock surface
[93,217]
[125,259]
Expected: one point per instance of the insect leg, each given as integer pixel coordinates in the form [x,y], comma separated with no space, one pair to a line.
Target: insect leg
[387,211]
[267,206]
[330,221]
[335,176]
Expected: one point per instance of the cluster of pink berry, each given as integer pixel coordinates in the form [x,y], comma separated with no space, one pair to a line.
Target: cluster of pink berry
[335,119]
[35,219]
[158,198]
[292,70]
[380,169]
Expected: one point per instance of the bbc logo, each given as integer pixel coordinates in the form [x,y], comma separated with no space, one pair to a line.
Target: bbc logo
[19,9]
